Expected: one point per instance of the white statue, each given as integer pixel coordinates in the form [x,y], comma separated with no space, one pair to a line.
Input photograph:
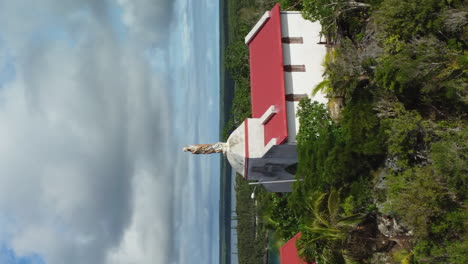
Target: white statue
[220,147]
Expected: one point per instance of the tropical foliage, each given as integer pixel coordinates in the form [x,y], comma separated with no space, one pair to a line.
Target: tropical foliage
[404,78]
[252,234]
[325,233]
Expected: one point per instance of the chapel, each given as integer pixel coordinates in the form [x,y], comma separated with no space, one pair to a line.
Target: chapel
[285,56]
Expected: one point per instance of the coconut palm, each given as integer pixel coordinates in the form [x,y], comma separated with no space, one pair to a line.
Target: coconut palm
[324,237]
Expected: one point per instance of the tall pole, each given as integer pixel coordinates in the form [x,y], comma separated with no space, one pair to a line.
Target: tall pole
[280,181]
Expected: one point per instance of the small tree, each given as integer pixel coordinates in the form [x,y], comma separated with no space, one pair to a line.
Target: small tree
[328,11]
[291,4]
[237,60]
[324,237]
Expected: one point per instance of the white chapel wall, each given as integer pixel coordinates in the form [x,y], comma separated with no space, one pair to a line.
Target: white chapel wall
[310,54]
[236,149]
[256,138]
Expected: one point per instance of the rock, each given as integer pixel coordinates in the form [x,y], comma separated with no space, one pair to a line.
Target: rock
[335,105]
[391,163]
[389,227]
[381,184]
[380,258]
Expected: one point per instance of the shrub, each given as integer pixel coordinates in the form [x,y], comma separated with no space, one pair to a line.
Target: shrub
[359,199]
[237,60]
[337,15]
[336,153]
[450,158]
[456,251]
[251,238]
[408,18]
[316,145]
[291,4]
[424,71]
[361,128]
[314,119]
[343,70]
[281,217]
[405,135]
[418,197]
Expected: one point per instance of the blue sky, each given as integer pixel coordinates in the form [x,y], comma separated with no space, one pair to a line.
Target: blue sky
[97,99]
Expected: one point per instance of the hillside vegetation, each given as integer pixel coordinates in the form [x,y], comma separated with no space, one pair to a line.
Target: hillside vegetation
[386,182]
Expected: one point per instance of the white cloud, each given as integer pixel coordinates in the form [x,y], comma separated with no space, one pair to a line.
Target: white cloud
[85,140]
[143,15]
[146,240]
[90,169]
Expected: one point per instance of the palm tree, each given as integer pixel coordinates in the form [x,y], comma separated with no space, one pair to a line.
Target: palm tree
[323,239]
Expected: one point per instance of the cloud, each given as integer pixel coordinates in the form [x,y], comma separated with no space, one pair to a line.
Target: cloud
[142,16]
[8,256]
[85,139]
[147,240]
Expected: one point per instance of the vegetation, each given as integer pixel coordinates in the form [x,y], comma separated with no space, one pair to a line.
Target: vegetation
[398,150]
[404,77]
[324,235]
[252,232]
[237,63]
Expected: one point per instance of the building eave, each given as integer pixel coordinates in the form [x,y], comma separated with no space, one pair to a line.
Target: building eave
[257,27]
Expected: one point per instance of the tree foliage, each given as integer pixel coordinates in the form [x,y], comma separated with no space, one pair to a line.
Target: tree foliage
[333,153]
[450,158]
[403,73]
[426,71]
[335,15]
[408,19]
[325,233]
[252,236]
[280,217]
[237,60]
[291,4]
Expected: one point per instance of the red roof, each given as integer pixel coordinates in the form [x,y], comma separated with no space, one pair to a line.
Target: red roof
[288,252]
[267,76]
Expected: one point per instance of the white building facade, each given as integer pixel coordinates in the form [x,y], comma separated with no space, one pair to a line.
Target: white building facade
[301,46]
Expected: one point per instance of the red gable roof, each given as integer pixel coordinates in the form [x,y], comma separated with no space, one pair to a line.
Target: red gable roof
[267,76]
[288,252]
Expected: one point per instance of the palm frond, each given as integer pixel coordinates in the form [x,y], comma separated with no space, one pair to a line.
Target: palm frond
[350,221]
[334,203]
[347,258]
[317,200]
[330,255]
[316,239]
[324,86]
[407,259]
[317,209]
[328,233]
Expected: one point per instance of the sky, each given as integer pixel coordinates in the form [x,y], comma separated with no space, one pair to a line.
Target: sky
[97,99]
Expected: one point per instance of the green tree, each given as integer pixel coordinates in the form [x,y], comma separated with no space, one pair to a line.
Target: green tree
[280,217]
[237,60]
[408,19]
[328,12]
[323,10]
[291,4]
[425,71]
[324,236]
[450,159]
